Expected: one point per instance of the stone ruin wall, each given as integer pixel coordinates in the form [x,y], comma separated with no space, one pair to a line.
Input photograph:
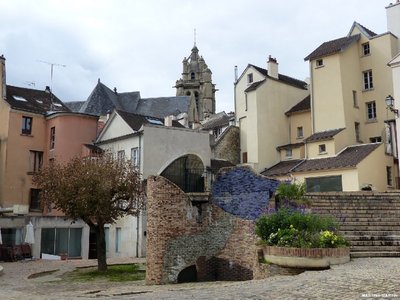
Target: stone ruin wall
[217,237]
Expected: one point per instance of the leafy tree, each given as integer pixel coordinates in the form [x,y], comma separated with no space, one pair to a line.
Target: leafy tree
[98,190]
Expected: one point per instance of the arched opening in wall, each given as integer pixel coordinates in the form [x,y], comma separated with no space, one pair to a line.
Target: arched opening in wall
[188,274]
[188,93]
[192,76]
[187,173]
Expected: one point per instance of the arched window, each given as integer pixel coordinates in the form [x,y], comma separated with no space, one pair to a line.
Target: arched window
[192,76]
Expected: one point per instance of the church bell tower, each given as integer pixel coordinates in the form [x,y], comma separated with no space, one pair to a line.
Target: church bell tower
[196,82]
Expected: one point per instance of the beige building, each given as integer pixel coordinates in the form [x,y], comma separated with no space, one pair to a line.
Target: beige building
[262,97]
[352,145]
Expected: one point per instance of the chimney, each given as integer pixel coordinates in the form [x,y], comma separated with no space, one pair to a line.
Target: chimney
[47,89]
[272,67]
[393,19]
[168,121]
[2,77]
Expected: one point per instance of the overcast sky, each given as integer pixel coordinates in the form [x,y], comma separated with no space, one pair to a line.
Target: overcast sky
[139,45]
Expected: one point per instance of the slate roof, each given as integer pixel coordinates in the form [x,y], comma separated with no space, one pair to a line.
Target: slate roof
[35,101]
[283,78]
[94,148]
[282,168]
[332,47]
[350,157]
[323,135]
[103,100]
[163,106]
[254,86]
[289,146]
[368,31]
[218,120]
[303,105]
[135,121]
[74,106]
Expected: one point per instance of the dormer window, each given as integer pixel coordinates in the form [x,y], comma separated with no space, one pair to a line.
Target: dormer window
[319,63]
[322,149]
[365,49]
[289,153]
[250,78]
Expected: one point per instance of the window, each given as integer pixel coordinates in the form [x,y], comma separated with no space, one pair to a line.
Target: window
[250,78]
[367,76]
[375,139]
[300,132]
[355,100]
[26,125]
[324,184]
[245,101]
[365,49]
[244,157]
[389,179]
[34,204]
[35,161]
[52,137]
[322,148]
[118,239]
[121,155]
[135,157]
[192,76]
[371,110]
[319,63]
[357,131]
[289,153]
[62,240]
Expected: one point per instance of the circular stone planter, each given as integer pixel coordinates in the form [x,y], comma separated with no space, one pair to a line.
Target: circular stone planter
[307,258]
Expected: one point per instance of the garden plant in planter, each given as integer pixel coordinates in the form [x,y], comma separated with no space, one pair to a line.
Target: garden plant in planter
[291,236]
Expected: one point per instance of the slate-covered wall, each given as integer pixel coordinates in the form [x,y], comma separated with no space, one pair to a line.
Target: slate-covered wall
[216,237]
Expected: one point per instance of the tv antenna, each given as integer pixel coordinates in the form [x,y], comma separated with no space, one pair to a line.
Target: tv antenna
[52,65]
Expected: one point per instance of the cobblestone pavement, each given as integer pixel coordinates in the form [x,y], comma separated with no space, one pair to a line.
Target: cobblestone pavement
[364,278]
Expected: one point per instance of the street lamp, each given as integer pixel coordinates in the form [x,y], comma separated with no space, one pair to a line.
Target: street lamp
[389,105]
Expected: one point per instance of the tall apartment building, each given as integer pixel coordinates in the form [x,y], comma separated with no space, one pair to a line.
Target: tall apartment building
[352,141]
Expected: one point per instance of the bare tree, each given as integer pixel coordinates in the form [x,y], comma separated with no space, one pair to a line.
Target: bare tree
[98,190]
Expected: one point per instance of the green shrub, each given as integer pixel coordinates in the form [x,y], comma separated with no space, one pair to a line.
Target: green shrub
[292,228]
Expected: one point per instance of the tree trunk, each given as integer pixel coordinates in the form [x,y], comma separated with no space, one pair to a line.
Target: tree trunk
[101,248]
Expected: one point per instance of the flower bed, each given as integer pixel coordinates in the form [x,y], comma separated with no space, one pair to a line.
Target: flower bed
[293,237]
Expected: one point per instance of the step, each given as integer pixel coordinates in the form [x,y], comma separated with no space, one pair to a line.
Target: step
[374,248]
[377,233]
[375,238]
[364,219]
[371,222]
[375,243]
[345,227]
[375,254]
[341,215]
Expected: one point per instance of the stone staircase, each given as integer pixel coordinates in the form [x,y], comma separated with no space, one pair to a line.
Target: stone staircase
[370,221]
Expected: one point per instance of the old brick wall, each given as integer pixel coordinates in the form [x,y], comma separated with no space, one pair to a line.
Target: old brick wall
[220,242]
[228,145]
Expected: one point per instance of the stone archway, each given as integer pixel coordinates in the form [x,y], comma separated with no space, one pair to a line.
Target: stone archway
[187,172]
